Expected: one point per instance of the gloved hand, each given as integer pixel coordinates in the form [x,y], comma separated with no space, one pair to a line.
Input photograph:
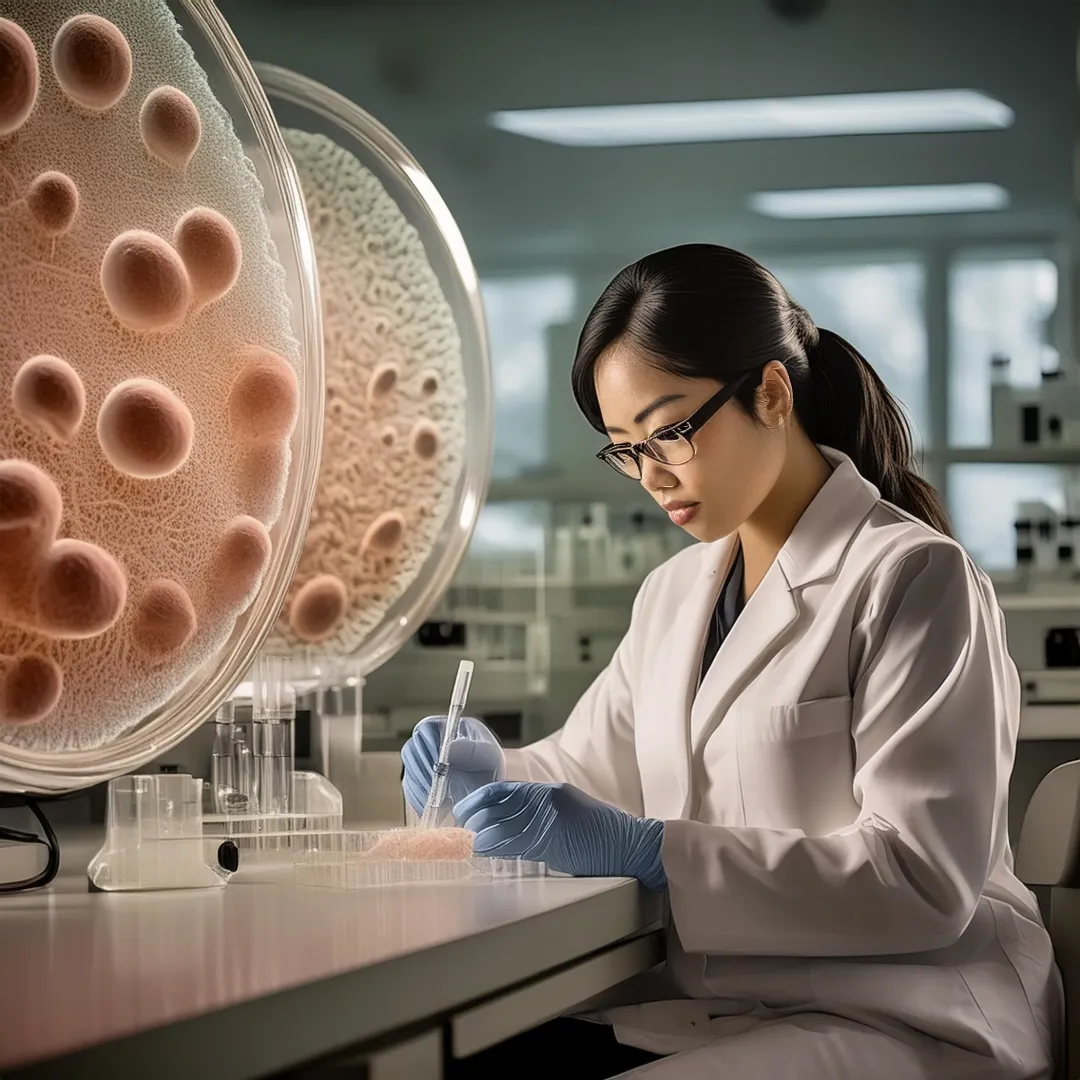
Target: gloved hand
[562,826]
[476,759]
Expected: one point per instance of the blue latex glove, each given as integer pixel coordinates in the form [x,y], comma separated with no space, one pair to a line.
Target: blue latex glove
[476,759]
[562,826]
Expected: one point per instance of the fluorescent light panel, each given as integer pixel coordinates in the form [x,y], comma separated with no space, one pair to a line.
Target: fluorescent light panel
[776,118]
[880,201]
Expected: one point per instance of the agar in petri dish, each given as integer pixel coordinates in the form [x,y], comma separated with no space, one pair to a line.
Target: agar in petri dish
[407,430]
[156,254]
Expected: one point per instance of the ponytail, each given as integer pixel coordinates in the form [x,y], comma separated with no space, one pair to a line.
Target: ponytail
[851,410]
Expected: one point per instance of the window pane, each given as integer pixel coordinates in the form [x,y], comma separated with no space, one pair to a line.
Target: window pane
[983,500]
[510,527]
[879,308]
[519,311]
[508,545]
[998,306]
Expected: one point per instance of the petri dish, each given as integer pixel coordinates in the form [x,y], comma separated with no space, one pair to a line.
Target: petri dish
[164,465]
[408,426]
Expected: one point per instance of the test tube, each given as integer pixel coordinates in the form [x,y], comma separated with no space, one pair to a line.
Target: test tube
[223,779]
[273,715]
[245,792]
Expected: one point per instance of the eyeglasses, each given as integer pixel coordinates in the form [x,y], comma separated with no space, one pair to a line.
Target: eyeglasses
[671,445]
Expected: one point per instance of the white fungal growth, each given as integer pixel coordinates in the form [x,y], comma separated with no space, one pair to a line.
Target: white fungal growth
[127,549]
[393,365]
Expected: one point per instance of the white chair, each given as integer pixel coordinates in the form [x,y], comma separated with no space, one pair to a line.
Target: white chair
[1049,855]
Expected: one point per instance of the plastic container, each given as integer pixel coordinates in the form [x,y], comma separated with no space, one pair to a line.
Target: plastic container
[315,808]
[199,55]
[344,861]
[379,620]
[154,838]
[267,844]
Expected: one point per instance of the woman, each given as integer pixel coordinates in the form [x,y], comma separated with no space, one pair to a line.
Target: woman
[806,735]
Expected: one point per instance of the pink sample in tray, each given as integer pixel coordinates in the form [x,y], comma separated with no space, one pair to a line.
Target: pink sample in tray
[424,845]
[365,859]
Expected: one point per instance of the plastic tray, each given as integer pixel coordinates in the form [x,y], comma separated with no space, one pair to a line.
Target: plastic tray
[341,861]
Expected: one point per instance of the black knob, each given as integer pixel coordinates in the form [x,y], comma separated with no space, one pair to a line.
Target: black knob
[228,856]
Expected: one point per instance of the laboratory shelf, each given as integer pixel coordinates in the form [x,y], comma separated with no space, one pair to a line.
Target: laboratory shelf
[577,488]
[548,582]
[1039,722]
[589,486]
[990,455]
[1065,601]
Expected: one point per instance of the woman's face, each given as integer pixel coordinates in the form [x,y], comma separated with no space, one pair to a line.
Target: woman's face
[736,461]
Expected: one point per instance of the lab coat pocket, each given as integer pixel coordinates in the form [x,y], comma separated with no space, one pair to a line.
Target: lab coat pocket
[796,766]
[805,720]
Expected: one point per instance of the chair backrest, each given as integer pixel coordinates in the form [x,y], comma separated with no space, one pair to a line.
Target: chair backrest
[1049,855]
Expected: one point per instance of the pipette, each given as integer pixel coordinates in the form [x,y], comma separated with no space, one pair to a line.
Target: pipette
[441,775]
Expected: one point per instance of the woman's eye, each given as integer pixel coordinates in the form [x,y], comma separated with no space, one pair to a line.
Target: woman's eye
[666,436]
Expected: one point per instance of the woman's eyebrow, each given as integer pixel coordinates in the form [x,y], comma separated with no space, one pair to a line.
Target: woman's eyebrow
[645,413]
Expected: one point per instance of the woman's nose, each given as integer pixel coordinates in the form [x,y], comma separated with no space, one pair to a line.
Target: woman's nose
[655,476]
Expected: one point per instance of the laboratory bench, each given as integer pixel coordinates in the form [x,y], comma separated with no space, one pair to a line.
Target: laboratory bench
[262,978]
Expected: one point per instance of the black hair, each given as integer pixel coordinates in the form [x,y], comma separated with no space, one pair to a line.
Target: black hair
[708,312]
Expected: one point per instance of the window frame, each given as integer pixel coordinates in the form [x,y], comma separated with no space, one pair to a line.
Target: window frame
[937,256]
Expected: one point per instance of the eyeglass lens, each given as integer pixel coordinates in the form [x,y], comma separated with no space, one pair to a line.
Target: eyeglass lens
[666,447]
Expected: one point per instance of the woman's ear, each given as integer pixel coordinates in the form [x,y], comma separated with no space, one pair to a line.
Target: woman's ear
[775,399]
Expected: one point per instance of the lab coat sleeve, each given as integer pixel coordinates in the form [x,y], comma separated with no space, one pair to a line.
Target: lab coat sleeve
[594,750]
[932,741]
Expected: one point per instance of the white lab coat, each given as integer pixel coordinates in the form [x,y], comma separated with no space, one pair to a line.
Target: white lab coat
[840,877]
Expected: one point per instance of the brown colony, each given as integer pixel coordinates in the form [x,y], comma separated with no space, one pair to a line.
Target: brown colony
[48,394]
[210,250]
[147,355]
[394,434]
[91,60]
[53,201]
[19,87]
[170,126]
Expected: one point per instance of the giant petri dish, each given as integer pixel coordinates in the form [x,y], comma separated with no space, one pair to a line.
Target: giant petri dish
[161,376]
[408,426]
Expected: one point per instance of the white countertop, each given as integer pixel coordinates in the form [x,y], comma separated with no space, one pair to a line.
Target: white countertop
[254,977]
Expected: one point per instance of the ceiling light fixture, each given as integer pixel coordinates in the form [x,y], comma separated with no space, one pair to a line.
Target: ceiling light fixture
[880,201]
[777,118]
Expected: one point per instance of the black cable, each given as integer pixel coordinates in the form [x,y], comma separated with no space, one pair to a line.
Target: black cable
[49,841]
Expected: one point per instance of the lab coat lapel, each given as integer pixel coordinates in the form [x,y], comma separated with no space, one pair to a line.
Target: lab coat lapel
[812,552]
[664,733]
[766,617]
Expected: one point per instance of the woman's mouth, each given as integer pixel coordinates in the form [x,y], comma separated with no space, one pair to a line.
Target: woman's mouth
[681,513]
